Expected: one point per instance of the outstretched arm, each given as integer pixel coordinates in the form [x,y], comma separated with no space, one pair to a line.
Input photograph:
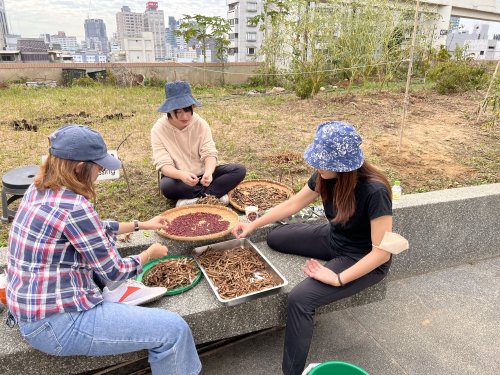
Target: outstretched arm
[294,204]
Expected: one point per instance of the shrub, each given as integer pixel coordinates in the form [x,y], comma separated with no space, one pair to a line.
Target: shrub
[457,76]
[111,78]
[84,82]
[154,81]
[266,76]
[308,82]
[304,87]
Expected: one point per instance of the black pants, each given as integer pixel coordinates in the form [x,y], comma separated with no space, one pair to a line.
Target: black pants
[313,241]
[225,178]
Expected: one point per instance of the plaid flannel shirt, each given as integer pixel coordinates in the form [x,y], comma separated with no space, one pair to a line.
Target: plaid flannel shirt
[56,243]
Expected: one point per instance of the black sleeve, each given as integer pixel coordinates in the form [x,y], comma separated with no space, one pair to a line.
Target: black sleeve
[379,203]
[312,181]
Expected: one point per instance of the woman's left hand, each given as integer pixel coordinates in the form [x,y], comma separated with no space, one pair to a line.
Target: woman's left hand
[157,222]
[317,271]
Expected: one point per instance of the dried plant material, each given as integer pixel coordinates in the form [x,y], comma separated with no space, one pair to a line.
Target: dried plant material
[125,237]
[172,273]
[197,224]
[236,272]
[262,196]
[210,199]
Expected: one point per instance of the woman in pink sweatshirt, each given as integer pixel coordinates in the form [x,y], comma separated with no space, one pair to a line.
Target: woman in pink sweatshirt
[184,151]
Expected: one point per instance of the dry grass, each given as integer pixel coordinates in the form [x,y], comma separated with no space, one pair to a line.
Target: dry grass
[442,147]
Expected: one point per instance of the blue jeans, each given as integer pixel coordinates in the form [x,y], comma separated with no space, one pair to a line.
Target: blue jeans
[115,328]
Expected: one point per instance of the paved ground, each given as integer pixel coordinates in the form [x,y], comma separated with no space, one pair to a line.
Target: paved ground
[442,323]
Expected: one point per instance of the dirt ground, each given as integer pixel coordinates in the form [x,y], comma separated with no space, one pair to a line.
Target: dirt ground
[442,146]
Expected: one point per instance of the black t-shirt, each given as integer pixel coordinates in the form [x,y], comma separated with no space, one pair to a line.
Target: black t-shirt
[354,237]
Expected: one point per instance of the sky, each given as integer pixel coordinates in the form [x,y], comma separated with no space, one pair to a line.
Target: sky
[30,18]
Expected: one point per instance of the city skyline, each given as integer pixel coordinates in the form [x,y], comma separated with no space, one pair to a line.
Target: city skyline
[30,18]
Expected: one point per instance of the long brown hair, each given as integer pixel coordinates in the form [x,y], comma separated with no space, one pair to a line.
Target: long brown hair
[343,193]
[56,173]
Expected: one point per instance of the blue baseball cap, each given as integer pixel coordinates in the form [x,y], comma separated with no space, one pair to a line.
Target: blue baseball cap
[179,96]
[336,147]
[81,143]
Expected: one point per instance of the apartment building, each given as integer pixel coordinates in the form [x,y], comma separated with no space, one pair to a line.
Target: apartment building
[154,22]
[245,38]
[129,25]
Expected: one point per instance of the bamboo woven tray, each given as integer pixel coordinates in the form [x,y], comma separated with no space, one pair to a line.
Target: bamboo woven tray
[225,213]
[250,183]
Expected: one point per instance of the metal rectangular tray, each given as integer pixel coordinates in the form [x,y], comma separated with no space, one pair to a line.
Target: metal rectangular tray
[247,244]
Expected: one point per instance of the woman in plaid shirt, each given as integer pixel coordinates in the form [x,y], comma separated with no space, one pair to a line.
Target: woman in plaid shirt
[58,246]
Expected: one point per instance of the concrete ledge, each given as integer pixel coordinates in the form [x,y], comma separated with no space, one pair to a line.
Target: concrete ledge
[209,321]
[444,228]
[447,228]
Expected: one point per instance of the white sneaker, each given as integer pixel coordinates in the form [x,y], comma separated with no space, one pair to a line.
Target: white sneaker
[185,202]
[224,199]
[132,292]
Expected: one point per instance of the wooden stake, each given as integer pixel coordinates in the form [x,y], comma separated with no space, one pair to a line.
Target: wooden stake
[408,76]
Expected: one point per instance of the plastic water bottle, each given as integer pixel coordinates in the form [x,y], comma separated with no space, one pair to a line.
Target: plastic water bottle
[396,192]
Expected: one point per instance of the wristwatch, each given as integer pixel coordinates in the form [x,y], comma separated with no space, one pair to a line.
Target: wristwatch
[136,225]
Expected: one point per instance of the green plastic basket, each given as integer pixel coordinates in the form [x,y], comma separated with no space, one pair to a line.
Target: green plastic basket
[170,292]
[337,368]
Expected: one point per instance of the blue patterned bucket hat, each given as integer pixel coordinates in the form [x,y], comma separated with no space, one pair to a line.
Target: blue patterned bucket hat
[178,94]
[336,147]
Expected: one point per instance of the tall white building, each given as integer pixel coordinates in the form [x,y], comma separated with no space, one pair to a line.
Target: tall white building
[245,38]
[154,22]
[4,30]
[129,25]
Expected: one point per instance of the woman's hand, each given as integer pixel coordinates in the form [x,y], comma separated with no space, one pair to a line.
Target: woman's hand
[316,271]
[242,230]
[157,222]
[189,178]
[206,179]
[155,251]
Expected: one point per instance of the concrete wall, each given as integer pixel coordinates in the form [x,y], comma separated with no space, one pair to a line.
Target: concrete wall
[195,73]
[447,228]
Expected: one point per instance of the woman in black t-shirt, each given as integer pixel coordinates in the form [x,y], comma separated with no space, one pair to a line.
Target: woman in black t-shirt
[357,201]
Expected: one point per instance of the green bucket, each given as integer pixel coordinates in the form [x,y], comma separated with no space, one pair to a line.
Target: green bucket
[337,368]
